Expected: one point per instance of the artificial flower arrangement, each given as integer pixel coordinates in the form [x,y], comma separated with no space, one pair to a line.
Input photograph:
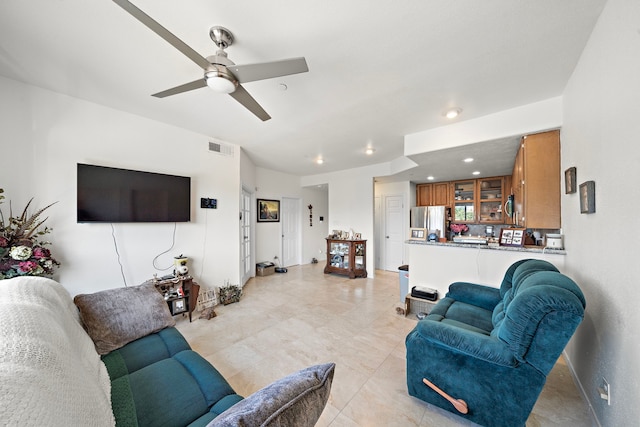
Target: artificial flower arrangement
[22,253]
[459,228]
[230,293]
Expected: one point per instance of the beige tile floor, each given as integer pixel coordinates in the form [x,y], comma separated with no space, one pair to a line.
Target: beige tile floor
[285,322]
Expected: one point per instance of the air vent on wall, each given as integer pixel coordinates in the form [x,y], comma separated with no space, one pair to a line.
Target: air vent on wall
[221,148]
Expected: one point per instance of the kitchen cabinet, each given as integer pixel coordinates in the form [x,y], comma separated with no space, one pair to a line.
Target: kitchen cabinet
[423,194]
[479,200]
[464,200]
[440,194]
[436,194]
[347,257]
[491,200]
[536,181]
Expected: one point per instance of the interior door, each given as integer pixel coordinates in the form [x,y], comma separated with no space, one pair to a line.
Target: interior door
[290,219]
[246,261]
[394,232]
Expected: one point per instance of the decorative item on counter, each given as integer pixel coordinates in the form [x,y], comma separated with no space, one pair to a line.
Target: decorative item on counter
[180,265]
[459,228]
[21,253]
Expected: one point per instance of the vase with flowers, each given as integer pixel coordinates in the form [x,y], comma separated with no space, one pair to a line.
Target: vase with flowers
[22,250]
[459,228]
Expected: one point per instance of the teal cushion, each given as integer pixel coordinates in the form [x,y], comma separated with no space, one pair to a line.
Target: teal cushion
[165,394]
[172,392]
[463,314]
[144,351]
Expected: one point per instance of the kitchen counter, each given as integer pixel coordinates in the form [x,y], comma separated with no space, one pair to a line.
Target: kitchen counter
[530,249]
[437,265]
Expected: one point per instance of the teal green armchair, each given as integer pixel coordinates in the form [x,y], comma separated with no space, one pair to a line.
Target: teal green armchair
[493,348]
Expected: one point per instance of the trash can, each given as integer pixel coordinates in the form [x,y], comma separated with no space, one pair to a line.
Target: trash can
[403,271]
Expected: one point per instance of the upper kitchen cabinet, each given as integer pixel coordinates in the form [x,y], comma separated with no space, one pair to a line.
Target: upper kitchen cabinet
[491,200]
[536,181]
[440,194]
[436,194]
[464,200]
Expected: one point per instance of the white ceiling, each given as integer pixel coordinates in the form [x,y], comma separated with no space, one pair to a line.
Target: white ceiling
[378,70]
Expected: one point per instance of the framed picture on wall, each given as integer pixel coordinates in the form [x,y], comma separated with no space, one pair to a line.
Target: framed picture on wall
[588,197]
[268,210]
[570,180]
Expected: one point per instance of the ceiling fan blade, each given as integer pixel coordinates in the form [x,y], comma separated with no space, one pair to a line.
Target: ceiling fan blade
[196,84]
[164,33]
[243,97]
[268,70]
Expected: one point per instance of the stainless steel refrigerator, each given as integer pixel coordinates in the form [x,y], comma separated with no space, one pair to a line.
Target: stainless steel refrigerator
[430,217]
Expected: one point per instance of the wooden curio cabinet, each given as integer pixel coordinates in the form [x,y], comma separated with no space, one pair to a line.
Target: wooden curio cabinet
[347,257]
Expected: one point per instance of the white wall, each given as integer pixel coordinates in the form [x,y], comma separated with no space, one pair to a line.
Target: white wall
[45,134]
[273,185]
[351,203]
[600,138]
[313,236]
[536,117]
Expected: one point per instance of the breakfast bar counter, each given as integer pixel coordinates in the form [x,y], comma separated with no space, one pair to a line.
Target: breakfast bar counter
[437,265]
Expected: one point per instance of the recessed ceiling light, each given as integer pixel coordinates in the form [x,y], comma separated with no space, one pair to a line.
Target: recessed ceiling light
[369,151]
[319,160]
[468,160]
[453,113]
[430,178]
[476,172]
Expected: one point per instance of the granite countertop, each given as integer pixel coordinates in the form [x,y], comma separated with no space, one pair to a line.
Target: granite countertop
[530,249]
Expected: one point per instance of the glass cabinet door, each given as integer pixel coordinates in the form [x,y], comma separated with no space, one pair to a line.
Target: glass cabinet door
[339,253]
[359,255]
[490,201]
[464,196]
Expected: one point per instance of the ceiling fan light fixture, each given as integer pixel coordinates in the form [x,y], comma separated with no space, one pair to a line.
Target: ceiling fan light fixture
[220,82]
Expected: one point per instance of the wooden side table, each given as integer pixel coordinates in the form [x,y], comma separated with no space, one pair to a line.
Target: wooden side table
[179,304]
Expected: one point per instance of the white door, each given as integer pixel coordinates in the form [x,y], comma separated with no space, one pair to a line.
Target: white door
[246,262]
[394,235]
[290,219]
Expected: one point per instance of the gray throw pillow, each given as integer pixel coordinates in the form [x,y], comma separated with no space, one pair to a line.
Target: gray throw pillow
[115,317]
[296,400]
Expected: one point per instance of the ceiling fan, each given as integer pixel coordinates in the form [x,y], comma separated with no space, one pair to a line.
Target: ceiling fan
[220,74]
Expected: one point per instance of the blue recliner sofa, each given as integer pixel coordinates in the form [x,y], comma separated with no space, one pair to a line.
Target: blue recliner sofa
[493,348]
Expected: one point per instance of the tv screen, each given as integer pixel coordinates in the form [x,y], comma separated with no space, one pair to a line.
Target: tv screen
[120,195]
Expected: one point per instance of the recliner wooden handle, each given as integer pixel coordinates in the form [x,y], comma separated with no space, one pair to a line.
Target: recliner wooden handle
[459,404]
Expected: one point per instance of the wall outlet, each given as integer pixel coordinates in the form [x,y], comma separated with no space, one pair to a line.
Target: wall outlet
[605,391]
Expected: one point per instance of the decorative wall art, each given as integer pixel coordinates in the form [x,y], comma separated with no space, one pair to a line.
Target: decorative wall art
[570,180]
[588,197]
[268,210]
[310,215]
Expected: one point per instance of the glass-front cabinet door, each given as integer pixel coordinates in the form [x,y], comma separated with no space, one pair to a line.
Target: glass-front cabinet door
[490,201]
[464,200]
[359,255]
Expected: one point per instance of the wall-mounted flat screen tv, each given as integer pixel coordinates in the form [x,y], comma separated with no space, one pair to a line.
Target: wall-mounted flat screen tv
[121,195]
